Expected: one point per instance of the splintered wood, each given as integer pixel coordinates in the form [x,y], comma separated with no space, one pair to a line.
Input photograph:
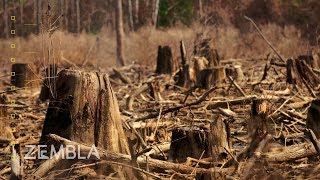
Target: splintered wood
[198,118]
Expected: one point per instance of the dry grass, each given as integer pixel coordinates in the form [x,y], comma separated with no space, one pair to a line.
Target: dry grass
[141,46]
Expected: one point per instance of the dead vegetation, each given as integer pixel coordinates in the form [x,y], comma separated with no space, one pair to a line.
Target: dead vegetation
[196,116]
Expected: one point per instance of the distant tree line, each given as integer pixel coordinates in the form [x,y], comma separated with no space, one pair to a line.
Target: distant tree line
[90,15]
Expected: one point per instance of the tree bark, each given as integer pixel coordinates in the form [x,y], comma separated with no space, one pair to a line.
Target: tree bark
[5,18]
[130,15]
[23,76]
[155,14]
[119,31]
[86,111]
[313,118]
[220,138]
[165,62]
[78,16]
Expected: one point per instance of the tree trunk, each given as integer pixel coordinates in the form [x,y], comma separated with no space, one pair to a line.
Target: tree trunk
[136,13]
[66,15]
[23,76]
[78,15]
[21,17]
[155,14]
[119,31]
[130,15]
[165,61]
[5,18]
[39,14]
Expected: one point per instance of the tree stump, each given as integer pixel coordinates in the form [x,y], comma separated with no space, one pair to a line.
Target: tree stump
[23,76]
[298,72]
[204,48]
[189,142]
[48,88]
[291,72]
[3,108]
[165,62]
[198,64]
[196,142]
[212,77]
[235,72]
[85,111]
[257,125]
[311,60]
[220,138]
[313,117]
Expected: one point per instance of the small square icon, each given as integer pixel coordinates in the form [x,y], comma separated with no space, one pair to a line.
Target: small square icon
[13,18]
[13,73]
[13,59]
[13,88]
[12,116]
[13,31]
[13,101]
[13,46]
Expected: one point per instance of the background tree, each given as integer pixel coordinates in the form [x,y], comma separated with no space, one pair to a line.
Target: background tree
[119,31]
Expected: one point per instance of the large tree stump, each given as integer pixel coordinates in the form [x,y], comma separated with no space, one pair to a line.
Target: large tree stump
[205,49]
[23,76]
[85,111]
[165,62]
[313,118]
[48,88]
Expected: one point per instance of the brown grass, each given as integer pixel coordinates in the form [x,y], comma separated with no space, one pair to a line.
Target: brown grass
[141,46]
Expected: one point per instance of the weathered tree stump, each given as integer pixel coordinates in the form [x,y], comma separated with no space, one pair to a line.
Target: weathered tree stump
[313,118]
[298,72]
[165,62]
[235,72]
[311,60]
[257,125]
[189,142]
[85,111]
[220,138]
[205,49]
[198,64]
[48,88]
[23,76]
[200,142]
[3,108]
[291,72]
[212,77]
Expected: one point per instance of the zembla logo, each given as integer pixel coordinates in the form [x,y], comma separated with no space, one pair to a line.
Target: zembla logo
[67,152]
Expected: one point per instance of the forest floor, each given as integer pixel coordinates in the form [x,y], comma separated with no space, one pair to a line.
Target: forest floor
[287,110]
